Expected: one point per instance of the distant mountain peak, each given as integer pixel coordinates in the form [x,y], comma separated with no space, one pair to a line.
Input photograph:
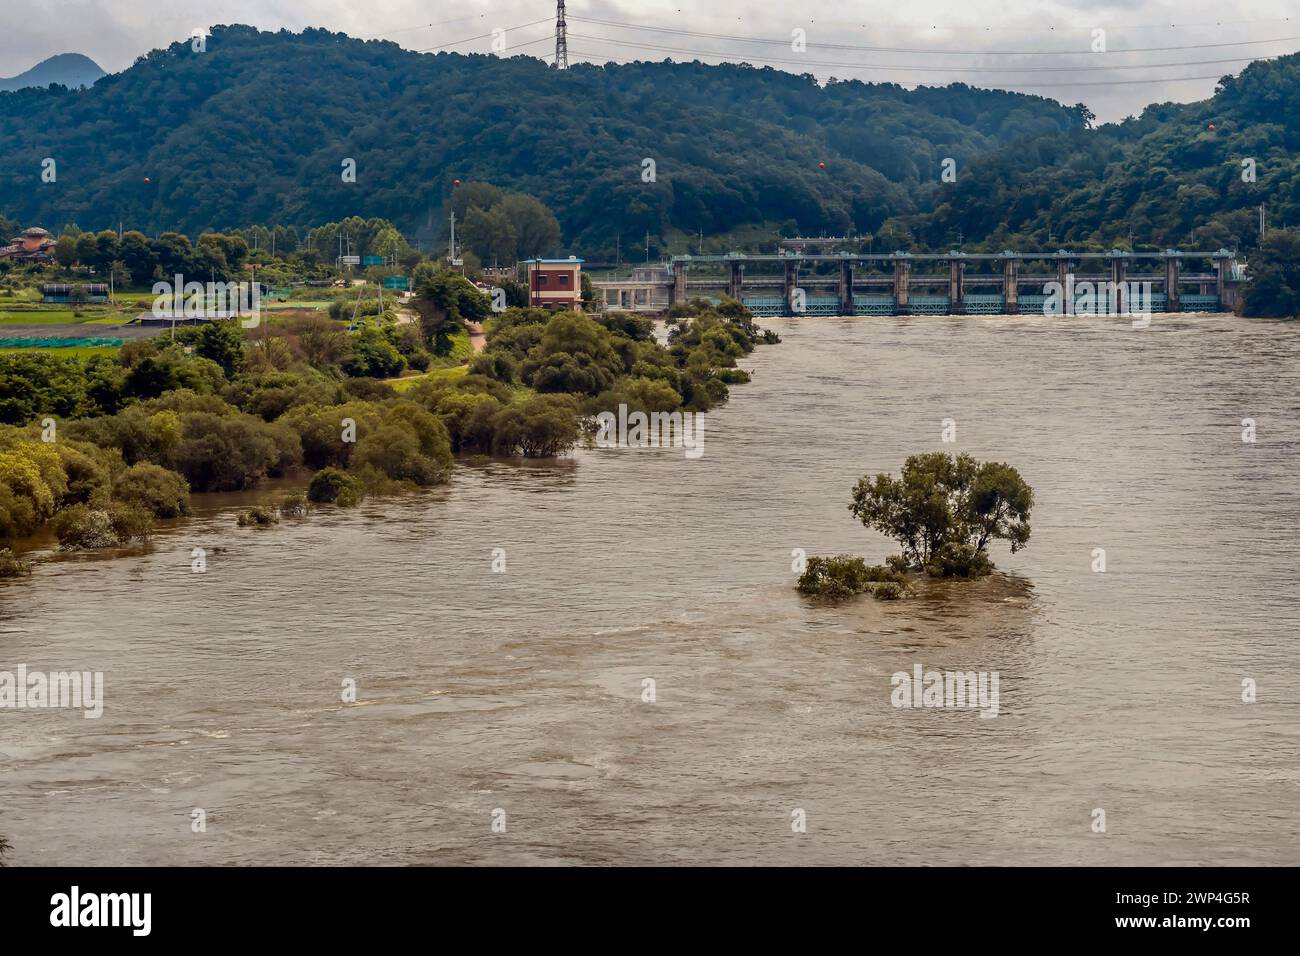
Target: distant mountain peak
[69,69]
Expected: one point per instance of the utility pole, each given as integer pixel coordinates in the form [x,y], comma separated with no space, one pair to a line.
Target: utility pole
[647,247]
[618,257]
[451,246]
[1261,220]
[561,38]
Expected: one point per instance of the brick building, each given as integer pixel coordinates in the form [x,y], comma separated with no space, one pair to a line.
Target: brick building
[555,283]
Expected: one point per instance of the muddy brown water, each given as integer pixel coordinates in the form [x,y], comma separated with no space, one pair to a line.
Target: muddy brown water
[523,691]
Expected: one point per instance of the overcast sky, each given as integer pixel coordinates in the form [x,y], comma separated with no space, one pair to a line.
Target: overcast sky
[1028,42]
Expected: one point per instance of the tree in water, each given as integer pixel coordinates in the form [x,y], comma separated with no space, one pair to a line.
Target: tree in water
[946,510]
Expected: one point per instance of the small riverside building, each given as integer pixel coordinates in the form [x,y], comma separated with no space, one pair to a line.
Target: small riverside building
[555,283]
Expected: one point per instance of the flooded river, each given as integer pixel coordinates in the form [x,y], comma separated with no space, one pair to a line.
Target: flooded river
[519,697]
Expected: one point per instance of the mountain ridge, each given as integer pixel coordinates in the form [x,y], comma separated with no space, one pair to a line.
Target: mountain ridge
[67,69]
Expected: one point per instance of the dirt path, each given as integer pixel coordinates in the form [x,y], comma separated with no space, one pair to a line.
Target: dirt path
[477,338]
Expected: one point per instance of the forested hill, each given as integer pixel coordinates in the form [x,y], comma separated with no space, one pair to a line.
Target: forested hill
[256,129]
[1173,176]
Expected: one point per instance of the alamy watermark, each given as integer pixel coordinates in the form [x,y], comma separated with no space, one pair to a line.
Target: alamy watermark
[651,430]
[1099,298]
[208,300]
[23,689]
[951,689]
[132,911]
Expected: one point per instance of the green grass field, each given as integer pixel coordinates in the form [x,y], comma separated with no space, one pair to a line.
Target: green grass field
[86,352]
[296,304]
[65,317]
[53,317]
[437,374]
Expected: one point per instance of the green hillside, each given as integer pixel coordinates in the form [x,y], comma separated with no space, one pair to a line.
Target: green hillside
[1174,177]
[256,129]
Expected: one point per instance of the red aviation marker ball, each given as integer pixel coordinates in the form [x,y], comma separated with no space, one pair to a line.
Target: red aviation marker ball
[455,182]
[821,165]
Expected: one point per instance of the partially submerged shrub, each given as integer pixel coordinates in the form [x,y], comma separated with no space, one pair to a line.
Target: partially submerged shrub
[258,517]
[843,576]
[11,566]
[959,560]
[733,376]
[294,505]
[881,574]
[887,591]
[84,528]
[837,577]
[130,522]
[81,527]
[335,486]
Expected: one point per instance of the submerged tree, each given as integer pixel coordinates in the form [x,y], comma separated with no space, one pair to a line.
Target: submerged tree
[945,511]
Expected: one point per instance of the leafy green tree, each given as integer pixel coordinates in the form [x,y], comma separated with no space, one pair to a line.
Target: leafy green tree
[221,342]
[158,490]
[575,354]
[134,251]
[335,486]
[106,250]
[536,229]
[946,510]
[373,355]
[410,444]
[33,386]
[539,427]
[444,301]
[65,251]
[491,235]
[1274,288]
[228,452]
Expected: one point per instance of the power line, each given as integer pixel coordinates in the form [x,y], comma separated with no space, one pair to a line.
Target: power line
[906,68]
[927,50]
[481,36]
[1035,86]
[423,26]
[1203,23]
